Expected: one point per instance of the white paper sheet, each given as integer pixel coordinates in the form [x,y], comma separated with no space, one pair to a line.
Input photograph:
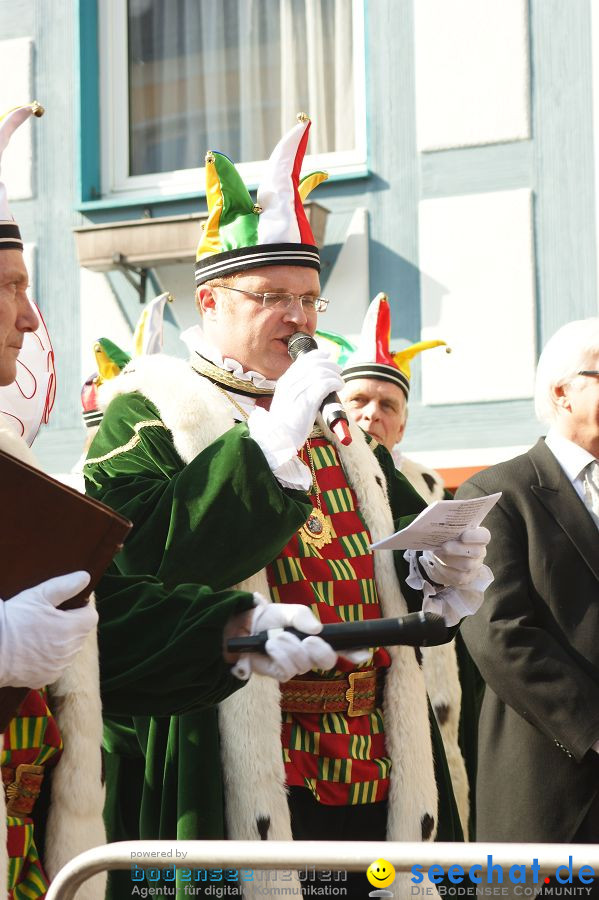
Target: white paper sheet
[442,521]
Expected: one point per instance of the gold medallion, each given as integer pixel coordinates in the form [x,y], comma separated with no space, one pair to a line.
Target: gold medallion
[317,530]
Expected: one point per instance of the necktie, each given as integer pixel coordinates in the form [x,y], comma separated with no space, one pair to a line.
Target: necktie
[590,482]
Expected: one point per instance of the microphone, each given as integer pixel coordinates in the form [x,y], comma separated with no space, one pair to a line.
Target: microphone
[331,407]
[417,629]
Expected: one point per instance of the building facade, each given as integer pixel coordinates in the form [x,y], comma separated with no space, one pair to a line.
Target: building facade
[462,142]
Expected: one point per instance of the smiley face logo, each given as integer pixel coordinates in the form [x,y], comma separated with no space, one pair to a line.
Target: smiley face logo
[380,873]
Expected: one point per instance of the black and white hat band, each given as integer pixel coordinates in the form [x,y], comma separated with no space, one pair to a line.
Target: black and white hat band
[93,417]
[379,371]
[232,261]
[10,236]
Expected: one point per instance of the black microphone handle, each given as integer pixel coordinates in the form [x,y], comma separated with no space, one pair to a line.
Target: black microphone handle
[415,630]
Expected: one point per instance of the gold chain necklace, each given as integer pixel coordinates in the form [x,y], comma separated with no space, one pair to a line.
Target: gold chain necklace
[318,529]
[231,400]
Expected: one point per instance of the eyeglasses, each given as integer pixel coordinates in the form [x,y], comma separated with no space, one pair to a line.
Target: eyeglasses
[275,300]
[589,372]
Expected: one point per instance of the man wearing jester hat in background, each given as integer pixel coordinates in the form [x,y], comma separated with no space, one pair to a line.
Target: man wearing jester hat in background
[231,476]
[51,761]
[377,390]
[376,393]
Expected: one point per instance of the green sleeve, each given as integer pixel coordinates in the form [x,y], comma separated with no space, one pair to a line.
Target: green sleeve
[215,521]
[161,651]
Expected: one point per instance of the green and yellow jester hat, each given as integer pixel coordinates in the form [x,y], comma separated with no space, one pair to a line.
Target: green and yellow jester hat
[374,358]
[111,359]
[240,234]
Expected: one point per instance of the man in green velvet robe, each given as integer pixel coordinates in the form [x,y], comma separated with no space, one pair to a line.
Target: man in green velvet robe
[226,492]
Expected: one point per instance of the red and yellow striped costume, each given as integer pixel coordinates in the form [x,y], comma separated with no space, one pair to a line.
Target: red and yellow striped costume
[341,759]
[32,738]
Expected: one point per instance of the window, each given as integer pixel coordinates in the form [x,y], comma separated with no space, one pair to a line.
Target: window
[179,77]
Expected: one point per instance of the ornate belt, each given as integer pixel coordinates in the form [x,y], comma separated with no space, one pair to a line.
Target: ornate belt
[356,694]
[22,786]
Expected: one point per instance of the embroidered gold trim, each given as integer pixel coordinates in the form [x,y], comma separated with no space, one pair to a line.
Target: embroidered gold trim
[133,442]
[221,376]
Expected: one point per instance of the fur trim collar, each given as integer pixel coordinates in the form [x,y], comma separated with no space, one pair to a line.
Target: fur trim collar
[250,720]
[75,819]
[439,664]
[427,482]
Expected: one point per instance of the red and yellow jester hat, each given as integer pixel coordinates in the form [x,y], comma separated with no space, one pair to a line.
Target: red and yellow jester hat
[374,358]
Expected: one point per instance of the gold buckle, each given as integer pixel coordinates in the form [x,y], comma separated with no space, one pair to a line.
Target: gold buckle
[350,696]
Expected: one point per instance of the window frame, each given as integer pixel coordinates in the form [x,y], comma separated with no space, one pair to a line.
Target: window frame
[114,121]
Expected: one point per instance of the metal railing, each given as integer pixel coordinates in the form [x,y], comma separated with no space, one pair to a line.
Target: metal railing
[352,856]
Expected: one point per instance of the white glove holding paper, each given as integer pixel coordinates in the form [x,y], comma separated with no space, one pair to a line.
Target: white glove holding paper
[287,655]
[283,429]
[457,563]
[37,641]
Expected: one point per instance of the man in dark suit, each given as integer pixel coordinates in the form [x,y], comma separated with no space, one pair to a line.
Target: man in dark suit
[535,639]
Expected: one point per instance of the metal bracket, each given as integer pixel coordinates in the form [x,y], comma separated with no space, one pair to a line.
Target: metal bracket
[142,272]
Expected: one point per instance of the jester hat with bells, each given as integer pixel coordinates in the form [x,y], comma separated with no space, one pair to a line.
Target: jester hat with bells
[10,236]
[374,358]
[240,234]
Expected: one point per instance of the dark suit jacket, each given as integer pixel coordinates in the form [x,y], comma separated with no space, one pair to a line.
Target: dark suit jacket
[536,642]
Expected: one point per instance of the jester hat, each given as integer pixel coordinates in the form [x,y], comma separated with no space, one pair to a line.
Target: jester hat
[337,346]
[10,236]
[374,358]
[240,234]
[111,360]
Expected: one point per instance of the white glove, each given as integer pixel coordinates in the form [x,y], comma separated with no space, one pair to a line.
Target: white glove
[287,655]
[37,641]
[295,403]
[457,563]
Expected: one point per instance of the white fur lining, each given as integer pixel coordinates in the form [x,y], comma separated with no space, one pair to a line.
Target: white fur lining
[75,819]
[415,473]
[439,664]
[197,414]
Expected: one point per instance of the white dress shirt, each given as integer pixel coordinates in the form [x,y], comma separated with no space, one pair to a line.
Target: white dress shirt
[572,458]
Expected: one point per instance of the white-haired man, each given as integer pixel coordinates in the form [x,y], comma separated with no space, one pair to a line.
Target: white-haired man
[535,638]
